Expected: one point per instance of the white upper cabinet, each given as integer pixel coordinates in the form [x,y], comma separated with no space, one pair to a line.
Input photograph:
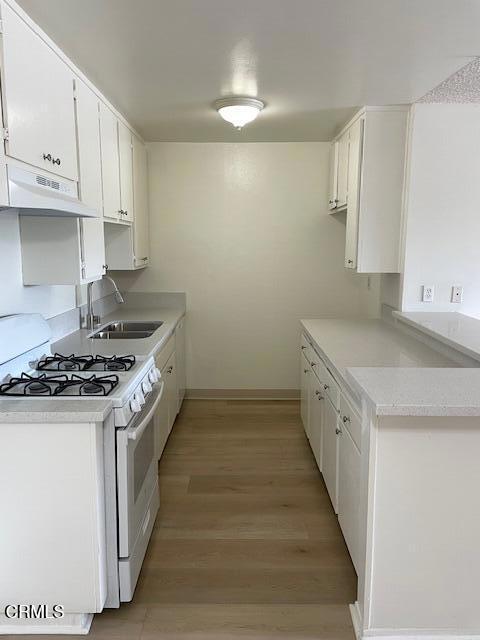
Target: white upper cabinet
[61,250]
[88,142]
[370,165]
[333,179]
[353,187]
[126,171]
[37,94]
[140,203]
[110,163]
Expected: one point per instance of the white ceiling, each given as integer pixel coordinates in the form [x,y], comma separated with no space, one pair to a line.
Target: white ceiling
[163,62]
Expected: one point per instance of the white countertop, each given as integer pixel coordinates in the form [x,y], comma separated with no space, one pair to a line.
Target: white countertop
[80,344]
[452,328]
[370,343]
[419,392]
[43,411]
[396,372]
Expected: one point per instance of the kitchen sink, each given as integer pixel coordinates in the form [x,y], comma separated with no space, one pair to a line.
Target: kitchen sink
[121,335]
[121,327]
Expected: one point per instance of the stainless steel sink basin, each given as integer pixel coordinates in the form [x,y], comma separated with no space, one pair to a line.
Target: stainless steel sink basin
[132,326]
[121,335]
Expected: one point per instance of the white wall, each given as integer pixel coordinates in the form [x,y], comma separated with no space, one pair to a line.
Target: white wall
[14,297]
[443,207]
[243,230]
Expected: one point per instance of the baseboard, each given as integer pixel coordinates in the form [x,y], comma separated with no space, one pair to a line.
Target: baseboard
[406,634]
[242,394]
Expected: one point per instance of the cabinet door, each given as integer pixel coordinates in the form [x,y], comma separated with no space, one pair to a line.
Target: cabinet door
[330,450]
[305,372]
[37,89]
[171,389]
[349,461]
[162,426]
[180,361]
[333,180]
[110,163]
[342,169]
[92,248]
[354,168]
[316,419]
[140,202]
[88,143]
[126,171]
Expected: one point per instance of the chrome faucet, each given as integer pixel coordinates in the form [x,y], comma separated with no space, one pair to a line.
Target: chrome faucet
[91,318]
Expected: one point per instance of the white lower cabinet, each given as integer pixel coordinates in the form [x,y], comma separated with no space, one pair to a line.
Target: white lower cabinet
[349,460]
[333,427]
[316,418]
[330,451]
[168,360]
[180,361]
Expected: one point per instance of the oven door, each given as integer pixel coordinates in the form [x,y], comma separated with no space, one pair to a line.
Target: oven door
[137,472]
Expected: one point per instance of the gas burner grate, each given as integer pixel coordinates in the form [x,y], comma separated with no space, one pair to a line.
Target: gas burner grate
[60,385]
[93,386]
[58,362]
[112,363]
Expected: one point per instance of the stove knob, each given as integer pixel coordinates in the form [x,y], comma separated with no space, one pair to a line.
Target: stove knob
[146,387]
[140,397]
[135,405]
[152,376]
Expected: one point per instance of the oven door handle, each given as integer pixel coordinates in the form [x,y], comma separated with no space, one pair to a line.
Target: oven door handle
[135,433]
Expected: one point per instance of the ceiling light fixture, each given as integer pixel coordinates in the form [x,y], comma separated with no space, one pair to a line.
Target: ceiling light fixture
[239,111]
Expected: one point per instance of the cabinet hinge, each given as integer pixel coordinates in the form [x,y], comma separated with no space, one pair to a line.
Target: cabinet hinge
[5,133]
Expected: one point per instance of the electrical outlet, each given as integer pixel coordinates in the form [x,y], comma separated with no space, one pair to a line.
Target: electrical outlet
[457,293]
[428,292]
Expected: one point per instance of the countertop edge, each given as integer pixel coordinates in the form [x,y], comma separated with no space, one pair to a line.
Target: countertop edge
[399,408]
[401,316]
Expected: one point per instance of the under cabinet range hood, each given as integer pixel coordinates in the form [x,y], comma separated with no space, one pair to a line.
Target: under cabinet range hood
[35,193]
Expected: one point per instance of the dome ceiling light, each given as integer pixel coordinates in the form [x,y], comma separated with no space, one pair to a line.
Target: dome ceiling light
[239,111]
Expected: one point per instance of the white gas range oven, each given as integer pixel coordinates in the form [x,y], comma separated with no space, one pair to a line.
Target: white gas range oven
[29,371]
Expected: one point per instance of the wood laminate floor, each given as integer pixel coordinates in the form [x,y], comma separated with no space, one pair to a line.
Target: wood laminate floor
[246,545]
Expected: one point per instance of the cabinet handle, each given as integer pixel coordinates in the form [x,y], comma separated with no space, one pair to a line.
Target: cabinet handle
[105,267]
[170,369]
[56,161]
[345,419]
[338,431]
[144,259]
[350,261]
[47,156]
[325,386]
[306,370]
[317,392]
[313,364]
[303,347]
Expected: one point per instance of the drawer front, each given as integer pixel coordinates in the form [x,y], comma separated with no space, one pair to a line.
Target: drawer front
[330,386]
[351,421]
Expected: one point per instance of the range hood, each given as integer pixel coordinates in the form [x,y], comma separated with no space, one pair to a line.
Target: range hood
[34,193]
